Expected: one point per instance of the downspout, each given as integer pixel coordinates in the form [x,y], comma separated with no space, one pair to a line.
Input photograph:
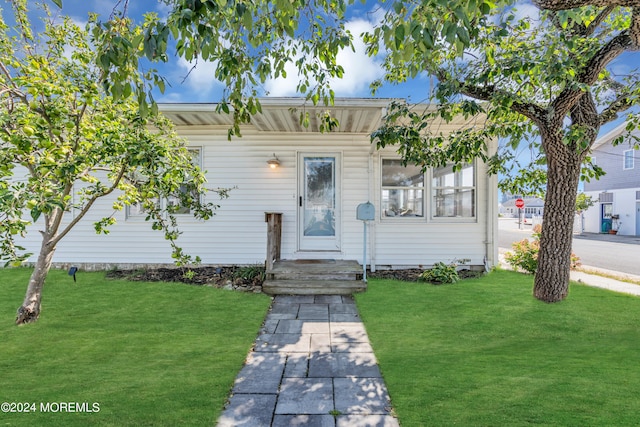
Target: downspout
[491,256]
[373,197]
[372,224]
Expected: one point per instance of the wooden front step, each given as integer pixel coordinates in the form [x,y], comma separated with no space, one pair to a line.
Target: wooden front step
[313,287]
[314,277]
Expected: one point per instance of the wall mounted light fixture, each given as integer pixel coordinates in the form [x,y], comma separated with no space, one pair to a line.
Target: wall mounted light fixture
[273,162]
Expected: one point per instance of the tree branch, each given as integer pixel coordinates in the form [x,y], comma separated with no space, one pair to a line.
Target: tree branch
[581,29]
[584,116]
[634,28]
[86,208]
[609,114]
[590,72]
[588,31]
[489,93]
[556,5]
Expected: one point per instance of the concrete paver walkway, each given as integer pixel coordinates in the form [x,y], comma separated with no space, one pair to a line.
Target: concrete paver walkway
[312,365]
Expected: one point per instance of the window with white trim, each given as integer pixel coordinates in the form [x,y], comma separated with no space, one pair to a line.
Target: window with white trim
[453,192]
[402,190]
[196,160]
[628,160]
[137,209]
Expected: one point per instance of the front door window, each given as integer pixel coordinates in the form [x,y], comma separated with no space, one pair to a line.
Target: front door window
[319,200]
[607,213]
[320,196]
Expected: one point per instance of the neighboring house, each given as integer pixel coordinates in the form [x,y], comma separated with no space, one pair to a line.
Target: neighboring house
[533,206]
[617,194]
[420,219]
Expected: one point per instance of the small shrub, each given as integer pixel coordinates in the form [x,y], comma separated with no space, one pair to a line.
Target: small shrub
[189,274]
[442,273]
[524,256]
[249,272]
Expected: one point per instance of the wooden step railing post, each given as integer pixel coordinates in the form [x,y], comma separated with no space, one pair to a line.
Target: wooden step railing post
[274,237]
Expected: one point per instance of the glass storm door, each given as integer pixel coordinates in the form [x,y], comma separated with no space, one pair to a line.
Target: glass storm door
[606,213]
[319,199]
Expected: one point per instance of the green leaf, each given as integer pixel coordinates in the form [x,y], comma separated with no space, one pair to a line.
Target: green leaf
[399,36]
[35,214]
[57,3]
[428,38]
[463,35]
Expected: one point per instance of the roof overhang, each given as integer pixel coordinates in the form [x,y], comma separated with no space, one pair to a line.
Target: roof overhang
[355,115]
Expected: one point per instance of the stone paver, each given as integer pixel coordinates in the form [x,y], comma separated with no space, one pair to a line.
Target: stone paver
[305,396]
[312,365]
[248,410]
[303,420]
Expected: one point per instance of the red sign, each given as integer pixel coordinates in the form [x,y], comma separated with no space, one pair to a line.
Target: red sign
[519,203]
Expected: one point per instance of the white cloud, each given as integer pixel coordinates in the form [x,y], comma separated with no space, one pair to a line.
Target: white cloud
[359,69]
[163,9]
[199,79]
[525,9]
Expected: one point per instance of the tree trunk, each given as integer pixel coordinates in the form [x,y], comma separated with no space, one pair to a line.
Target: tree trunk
[551,283]
[30,309]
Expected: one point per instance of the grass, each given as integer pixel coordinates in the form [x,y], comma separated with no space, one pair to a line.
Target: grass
[150,354]
[484,352]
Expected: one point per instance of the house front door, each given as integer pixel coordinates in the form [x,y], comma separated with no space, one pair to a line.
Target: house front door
[605,217]
[319,202]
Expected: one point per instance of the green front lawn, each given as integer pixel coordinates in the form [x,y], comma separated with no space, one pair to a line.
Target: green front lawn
[161,354]
[480,352]
[484,352]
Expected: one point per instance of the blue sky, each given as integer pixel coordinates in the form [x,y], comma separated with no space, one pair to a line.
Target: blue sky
[360,69]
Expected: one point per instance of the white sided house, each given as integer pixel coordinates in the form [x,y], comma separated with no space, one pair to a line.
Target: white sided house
[316,184]
[617,193]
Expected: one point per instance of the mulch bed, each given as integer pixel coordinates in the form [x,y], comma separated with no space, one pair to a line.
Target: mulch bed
[218,277]
[412,274]
[230,277]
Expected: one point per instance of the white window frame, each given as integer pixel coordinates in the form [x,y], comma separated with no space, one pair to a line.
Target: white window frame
[399,217]
[433,190]
[197,157]
[627,155]
[135,211]
[141,214]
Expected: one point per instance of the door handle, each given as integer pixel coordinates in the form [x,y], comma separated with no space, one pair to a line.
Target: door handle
[300,201]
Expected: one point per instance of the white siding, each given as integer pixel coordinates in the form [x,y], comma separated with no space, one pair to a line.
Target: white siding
[237,233]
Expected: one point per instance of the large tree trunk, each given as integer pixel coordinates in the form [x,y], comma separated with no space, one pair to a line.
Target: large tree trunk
[30,309]
[551,282]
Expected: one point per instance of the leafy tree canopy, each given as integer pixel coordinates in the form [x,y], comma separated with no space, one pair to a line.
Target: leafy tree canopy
[65,143]
[525,68]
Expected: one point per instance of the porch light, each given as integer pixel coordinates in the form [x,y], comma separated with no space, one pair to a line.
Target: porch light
[273,162]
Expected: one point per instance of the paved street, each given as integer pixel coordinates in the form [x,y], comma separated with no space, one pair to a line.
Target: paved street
[616,253]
